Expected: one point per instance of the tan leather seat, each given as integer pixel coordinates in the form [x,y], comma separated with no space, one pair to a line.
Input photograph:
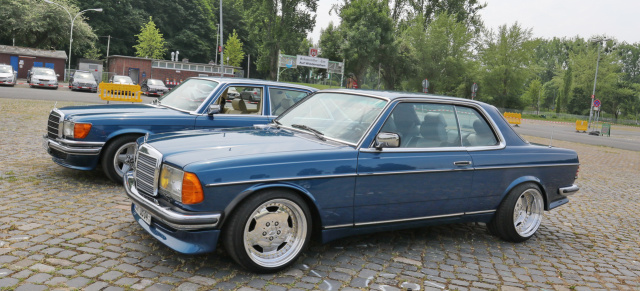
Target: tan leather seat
[238,107]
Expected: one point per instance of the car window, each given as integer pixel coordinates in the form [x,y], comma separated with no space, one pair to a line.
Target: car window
[242,100]
[83,75]
[474,129]
[5,69]
[340,116]
[189,95]
[43,72]
[155,82]
[122,79]
[282,99]
[424,125]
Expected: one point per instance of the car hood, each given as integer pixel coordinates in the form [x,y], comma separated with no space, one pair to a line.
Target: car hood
[118,112]
[122,82]
[3,75]
[200,147]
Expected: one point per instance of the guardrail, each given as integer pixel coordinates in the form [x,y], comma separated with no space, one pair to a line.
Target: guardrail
[513,118]
[581,125]
[119,92]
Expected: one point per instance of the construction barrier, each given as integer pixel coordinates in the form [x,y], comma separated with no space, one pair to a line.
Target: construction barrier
[581,125]
[119,92]
[513,118]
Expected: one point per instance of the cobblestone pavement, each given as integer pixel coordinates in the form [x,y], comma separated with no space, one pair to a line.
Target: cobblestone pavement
[65,229]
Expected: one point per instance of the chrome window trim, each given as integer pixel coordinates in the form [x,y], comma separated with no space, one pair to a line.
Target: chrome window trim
[501,144]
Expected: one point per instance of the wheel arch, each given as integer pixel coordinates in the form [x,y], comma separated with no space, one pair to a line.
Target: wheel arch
[527,179]
[308,198]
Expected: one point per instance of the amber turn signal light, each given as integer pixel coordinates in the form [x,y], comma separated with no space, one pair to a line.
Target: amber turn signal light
[191,189]
[81,130]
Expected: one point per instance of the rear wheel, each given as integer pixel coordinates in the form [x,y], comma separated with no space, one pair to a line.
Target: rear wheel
[118,157]
[519,215]
[269,231]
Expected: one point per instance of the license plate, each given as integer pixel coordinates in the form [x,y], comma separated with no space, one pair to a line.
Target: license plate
[146,216]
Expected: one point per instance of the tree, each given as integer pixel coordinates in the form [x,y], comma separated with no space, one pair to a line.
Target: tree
[277,25]
[506,56]
[567,81]
[233,50]
[37,24]
[534,91]
[442,54]
[151,44]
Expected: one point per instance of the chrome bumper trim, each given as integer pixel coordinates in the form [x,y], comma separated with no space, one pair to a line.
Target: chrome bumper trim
[567,191]
[166,215]
[73,147]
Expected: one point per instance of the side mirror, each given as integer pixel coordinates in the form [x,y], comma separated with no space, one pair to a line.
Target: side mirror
[387,140]
[57,75]
[213,109]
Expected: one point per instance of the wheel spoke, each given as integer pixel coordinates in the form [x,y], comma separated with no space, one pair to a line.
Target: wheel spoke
[122,158]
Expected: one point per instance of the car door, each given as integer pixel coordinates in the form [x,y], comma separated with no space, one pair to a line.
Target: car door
[428,176]
[237,112]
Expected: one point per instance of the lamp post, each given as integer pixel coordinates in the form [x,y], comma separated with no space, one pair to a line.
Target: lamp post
[593,95]
[72,19]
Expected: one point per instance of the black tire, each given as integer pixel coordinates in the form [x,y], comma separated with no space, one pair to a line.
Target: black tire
[273,219]
[115,166]
[527,201]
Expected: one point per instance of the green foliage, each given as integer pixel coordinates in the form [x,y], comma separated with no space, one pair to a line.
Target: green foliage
[93,53]
[37,24]
[506,56]
[534,91]
[233,50]
[277,26]
[567,81]
[151,44]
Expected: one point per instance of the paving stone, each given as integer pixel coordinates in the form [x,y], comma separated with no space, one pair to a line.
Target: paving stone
[78,282]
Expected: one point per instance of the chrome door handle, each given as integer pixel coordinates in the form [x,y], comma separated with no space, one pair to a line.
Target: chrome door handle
[462,163]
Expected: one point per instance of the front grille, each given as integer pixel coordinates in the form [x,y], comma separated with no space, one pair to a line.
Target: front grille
[53,124]
[146,170]
[85,85]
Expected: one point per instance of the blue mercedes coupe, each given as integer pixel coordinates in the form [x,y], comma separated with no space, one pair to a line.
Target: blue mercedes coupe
[83,137]
[341,163]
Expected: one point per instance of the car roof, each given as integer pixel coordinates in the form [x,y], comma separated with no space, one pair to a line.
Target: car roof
[391,95]
[256,82]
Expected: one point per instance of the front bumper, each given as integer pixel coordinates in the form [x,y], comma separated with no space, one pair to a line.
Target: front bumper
[188,233]
[73,154]
[44,85]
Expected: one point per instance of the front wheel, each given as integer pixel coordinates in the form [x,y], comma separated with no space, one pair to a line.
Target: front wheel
[269,231]
[519,215]
[118,157]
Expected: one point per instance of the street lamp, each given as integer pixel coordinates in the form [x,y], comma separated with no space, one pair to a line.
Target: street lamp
[593,95]
[72,19]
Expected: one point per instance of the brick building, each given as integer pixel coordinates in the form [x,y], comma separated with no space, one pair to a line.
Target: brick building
[140,69]
[22,59]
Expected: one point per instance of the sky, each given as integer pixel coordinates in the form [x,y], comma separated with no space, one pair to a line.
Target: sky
[547,18]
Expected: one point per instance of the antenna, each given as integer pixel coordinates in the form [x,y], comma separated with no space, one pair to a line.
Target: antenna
[551,139]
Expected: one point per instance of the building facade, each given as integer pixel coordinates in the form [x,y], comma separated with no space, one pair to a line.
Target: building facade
[22,59]
[170,72]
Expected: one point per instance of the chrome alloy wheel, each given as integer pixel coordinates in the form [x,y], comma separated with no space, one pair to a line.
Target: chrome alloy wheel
[275,233]
[527,213]
[124,157]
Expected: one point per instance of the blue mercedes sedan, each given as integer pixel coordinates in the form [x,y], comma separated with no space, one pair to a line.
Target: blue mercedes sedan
[83,137]
[341,163]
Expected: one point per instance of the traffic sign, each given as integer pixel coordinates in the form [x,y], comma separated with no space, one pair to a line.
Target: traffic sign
[425,83]
[474,88]
[596,103]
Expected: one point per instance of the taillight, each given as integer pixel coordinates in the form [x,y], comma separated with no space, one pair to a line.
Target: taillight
[577,171]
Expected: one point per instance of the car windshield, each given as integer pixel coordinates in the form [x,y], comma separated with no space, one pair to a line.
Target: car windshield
[83,76]
[339,116]
[5,69]
[189,95]
[155,82]
[125,79]
[42,72]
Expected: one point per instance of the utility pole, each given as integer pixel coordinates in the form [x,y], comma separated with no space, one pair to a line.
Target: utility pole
[217,43]
[248,66]
[221,40]
[593,95]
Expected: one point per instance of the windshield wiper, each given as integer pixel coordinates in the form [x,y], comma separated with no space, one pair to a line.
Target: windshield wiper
[277,123]
[318,134]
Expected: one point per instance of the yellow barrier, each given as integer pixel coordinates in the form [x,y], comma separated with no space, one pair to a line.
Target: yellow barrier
[119,92]
[513,118]
[581,125]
